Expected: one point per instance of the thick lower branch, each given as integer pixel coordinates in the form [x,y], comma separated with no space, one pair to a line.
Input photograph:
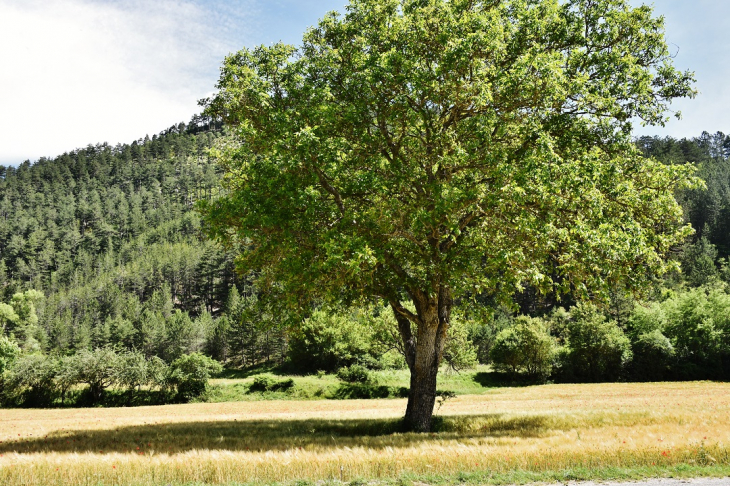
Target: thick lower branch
[409,342]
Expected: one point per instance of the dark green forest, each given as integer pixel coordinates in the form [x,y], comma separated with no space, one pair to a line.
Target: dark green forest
[102,249]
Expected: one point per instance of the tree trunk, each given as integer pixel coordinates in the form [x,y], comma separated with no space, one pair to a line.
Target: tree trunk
[423,352]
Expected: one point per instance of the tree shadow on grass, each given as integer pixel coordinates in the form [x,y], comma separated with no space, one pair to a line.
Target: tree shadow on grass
[266,435]
[494,379]
[362,391]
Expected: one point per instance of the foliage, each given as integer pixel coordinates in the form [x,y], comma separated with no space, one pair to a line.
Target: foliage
[20,319]
[506,353]
[483,330]
[266,383]
[707,209]
[9,352]
[428,150]
[698,326]
[353,374]
[32,381]
[459,352]
[699,262]
[8,318]
[328,341]
[253,330]
[525,347]
[653,357]
[93,241]
[598,349]
[189,374]
[99,369]
[133,371]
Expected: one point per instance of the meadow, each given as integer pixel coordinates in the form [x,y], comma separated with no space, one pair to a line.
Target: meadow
[505,435]
[235,385]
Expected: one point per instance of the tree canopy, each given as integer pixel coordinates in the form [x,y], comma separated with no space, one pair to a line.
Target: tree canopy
[431,149]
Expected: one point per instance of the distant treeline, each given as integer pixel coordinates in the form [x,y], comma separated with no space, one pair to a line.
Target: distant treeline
[102,248]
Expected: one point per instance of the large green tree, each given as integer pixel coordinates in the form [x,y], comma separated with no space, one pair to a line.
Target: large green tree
[422,150]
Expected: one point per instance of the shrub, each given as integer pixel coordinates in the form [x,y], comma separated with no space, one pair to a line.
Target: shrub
[598,349]
[483,332]
[99,369]
[66,375]
[525,347]
[645,319]
[698,325]
[328,341]
[157,372]
[262,384]
[359,391]
[131,371]
[653,357]
[538,347]
[189,375]
[265,383]
[506,352]
[32,381]
[353,374]
[459,351]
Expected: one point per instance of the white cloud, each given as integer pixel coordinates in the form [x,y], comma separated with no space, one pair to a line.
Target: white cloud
[74,72]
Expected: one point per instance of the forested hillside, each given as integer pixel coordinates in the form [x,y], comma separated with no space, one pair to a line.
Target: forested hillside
[707,210]
[109,240]
[102,248]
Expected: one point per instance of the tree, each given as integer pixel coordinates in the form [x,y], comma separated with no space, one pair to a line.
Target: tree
[424,150]
[8,317]
[598,349]
[98,369]
[527,346]
[189,374]
[9,352]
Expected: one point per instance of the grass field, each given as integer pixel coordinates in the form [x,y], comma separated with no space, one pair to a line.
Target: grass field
[552,432]
[234,385]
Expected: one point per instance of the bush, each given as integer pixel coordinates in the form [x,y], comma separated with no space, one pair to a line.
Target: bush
[262,384]
[31,381]
[328,341]
[506,352]
[353,374]
[459,351]
[698,326]
[645,319]
[131,371]
[99,369]
[598,350]
[189,375]
[525,347]
[483,332]
[157,372]
[265,383]
[67,375]
[653,357]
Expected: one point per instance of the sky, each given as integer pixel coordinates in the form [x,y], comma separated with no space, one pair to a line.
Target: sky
[80,72]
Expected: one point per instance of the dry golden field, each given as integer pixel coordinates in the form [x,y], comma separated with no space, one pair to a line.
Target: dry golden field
[537,429]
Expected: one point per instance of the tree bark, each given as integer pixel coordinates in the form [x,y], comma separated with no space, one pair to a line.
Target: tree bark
[423,353]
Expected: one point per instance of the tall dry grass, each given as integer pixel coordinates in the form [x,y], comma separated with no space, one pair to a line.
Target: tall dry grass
[547,428]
